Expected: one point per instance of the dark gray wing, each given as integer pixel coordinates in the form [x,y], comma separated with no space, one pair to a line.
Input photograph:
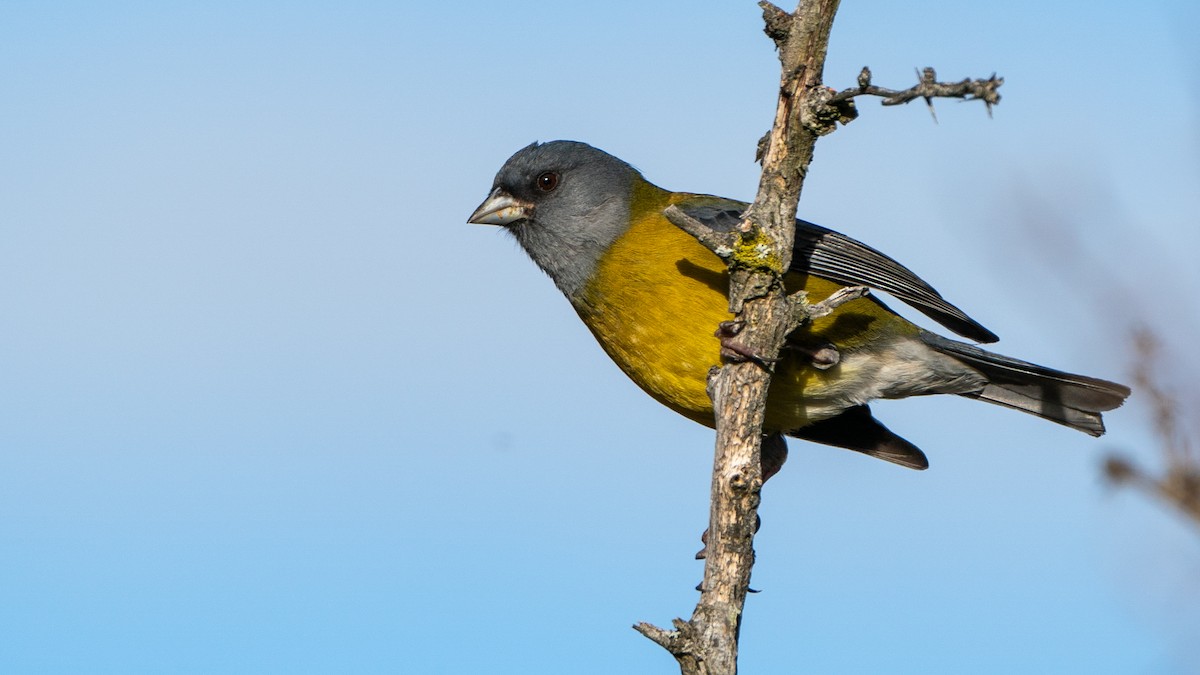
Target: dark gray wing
[836,257]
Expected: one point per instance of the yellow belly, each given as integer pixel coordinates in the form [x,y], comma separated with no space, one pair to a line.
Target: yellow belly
[658,295]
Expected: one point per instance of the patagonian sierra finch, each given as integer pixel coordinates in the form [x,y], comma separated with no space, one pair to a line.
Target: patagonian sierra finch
[652,296]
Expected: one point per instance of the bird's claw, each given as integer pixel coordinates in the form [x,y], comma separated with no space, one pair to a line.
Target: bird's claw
[735,352]
[822,357]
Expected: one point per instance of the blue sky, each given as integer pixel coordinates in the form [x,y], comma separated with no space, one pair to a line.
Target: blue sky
[270,405]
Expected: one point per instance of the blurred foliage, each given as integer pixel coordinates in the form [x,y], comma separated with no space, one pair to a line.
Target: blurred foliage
[1177,483]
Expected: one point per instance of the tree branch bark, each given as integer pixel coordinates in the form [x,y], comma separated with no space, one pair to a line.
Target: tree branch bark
[759,253]
[708,643]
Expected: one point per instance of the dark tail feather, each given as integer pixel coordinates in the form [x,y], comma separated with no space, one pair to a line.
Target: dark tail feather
[1072,400]
[855,429]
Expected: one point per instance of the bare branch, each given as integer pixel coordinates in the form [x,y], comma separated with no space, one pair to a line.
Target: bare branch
[759,253]
[679,642]
[927,88]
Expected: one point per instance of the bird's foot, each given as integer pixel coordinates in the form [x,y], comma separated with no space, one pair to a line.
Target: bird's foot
[735,352]
[822,356]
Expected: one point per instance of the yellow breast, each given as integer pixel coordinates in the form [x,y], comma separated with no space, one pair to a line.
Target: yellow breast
[657,296]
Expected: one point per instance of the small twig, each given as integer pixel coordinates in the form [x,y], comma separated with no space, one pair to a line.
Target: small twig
[778,23]
[1179,486]
[927,88]
[805,312]
[721,243]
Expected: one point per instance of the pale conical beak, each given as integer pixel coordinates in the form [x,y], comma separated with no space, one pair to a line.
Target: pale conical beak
[500,208]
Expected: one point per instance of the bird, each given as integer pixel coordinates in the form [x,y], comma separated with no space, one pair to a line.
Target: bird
[651,294]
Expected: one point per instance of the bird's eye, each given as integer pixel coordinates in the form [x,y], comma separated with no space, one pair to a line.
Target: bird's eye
[547,181]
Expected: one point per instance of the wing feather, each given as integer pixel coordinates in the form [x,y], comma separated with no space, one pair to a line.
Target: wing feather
[841,259]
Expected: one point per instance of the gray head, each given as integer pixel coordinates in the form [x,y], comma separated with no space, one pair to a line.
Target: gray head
[565,202]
